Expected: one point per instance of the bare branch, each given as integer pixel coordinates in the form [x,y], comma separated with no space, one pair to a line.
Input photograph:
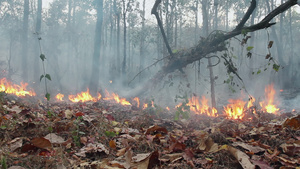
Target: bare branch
[154,12]
[247,15]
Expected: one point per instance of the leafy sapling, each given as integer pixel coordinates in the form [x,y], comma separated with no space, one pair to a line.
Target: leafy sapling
[44,75]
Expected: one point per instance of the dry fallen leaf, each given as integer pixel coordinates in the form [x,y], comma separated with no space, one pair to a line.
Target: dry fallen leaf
[92,148]
[15,143]
[68,114]
[293,123]
[155,129]
[121,152]
[54,139]
[16,167]
[254,149]
[41,142]
[242,158]
[147,160]
[16,109]
[112,144]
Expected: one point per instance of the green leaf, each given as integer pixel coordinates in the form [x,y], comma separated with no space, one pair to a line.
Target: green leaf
[48,77]
[276,67]
[249,48]
[47,95]
[43,57]
[3,127]
[235,57]
[174,50]
[110,134]
[258,72]
[42,76]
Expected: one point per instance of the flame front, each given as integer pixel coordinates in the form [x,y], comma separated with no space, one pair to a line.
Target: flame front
[116,98]
[201,107]
[82,97]
[235,109]
[18,90]
[268,105]
[60,97]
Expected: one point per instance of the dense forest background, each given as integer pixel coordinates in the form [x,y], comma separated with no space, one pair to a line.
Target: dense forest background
[102,45]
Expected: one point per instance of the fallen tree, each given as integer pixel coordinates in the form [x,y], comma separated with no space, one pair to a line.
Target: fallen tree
[215,42]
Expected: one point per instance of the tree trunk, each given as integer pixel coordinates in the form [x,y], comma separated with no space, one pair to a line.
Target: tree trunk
[94,81]
[210,67]
[25,40]
[142,40]
[227,15]
[117,13]
[37,50]
[124,42]
[252,34]
[196,22]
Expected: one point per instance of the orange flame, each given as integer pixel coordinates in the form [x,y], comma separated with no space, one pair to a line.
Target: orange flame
[60,97]
[235,109]
[18,90]
[268,105]
[201,107]
[146,105]
[82,97]
[137,101]
[251,102]
[116,98]
[251,105]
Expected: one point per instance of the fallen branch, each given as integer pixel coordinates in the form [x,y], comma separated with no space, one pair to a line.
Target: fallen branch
[213,43]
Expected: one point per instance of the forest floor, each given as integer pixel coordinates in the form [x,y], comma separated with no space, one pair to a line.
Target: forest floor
[103,134]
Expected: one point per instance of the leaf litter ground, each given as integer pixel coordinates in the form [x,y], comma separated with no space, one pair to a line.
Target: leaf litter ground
[107,135]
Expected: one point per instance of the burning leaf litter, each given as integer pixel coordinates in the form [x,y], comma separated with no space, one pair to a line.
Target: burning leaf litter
[107,134]
[234,110]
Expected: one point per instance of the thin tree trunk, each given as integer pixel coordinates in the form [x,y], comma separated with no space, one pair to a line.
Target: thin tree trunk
[196,23]
[94,81]
[252,34]
[142,50]
[25,40]
[176,25]
[38,27]
[227,16]
[125,42]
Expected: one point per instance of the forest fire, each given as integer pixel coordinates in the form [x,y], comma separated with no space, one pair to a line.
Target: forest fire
[268,105]
[116,98]
[235,109]
[82,97]
[60,97]
[201,107]
[137,100]
[146,105]
[18,90]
